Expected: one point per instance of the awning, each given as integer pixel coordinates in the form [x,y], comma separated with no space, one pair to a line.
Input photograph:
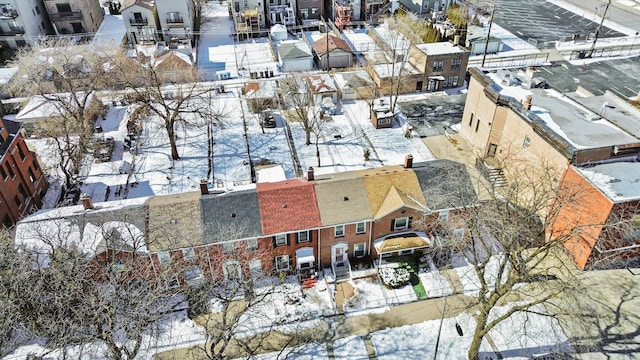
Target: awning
[304,256]
[400,242]
[439,78]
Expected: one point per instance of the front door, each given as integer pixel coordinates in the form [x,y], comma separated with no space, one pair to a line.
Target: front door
[339,254]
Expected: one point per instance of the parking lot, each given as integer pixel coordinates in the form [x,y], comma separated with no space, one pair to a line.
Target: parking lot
[544,23]
[433,115]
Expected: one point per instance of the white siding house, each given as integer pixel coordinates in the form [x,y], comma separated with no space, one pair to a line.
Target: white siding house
[295,56]
[141,22]
[22,22]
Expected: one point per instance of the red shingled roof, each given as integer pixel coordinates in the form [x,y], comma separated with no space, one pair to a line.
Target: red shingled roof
[287,206]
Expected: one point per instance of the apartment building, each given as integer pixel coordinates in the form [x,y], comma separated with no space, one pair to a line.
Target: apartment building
[22,21]
[281,12]
[74,16]
[248,17]
[176,20]
[141,21]
[23,181]
[442,64]
[311,9]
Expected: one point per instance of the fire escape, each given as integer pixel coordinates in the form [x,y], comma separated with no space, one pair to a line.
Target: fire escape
[343,15]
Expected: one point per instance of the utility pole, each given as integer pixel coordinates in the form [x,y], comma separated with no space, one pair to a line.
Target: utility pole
[486,43]
[595,37]
[444,308]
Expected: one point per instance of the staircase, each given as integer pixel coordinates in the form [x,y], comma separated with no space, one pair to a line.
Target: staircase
[493,174]
[342,272]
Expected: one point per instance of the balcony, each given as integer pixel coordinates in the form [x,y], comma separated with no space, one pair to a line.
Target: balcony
[139,22]
[175,21]
[13,31]
[8,14]
[68,15]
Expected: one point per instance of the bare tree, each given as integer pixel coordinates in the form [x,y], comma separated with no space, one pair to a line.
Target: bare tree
[512,259]
[174,96]
[64,79]
[304,109]
[9,315]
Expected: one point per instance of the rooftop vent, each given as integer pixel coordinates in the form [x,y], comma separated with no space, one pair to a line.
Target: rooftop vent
[592,117]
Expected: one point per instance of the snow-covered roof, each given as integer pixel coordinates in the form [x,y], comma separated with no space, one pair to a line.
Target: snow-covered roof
[69,226]
[392,38]
[619,181]
[294,49]
[441,48]
[272,173]
[40,107]
[321,83]
[7,73]
[111,31]
[352,79]
[579,126]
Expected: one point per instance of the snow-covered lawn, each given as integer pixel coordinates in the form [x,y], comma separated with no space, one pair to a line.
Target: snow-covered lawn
[368,297]
[351,347]
[435,284]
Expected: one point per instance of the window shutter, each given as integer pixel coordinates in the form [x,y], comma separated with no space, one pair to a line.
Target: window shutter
[274,241]
[298,238]
[286,236]
[409,222]
[393,224]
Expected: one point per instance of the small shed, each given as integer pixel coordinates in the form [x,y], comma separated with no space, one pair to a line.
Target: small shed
[295,56]
[333,52]
[381,115]
[354,85]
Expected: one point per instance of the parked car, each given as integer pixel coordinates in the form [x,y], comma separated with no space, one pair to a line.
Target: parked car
[267,119]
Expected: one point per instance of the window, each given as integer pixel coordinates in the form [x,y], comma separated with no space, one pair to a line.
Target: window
[358,250]
[526,142]
[456,64]
[443,216]
[193,275]
[304,236]
[458,234]
[164,257]
[281,239]
[385,121]
[22,191]
[228,247]
[32,177]
[405,252]
[6,221]
[3,173]
[10,171]
[17,200]
[282,262]
[339,231]
[438,65]
[22,155]
[400,223]
[252,244]
[361,228]
[449,81]
[255,267]
[455,81]
[188,254]
[314,10]
[64,8]
[38,10]
[477,125]
[471,120]
[232,270]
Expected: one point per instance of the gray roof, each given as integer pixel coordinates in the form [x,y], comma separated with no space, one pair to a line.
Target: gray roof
[615,109]
[294,50]
[445,184]
[230,216]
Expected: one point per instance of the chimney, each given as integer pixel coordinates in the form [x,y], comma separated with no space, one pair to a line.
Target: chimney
[86,201]
[456,40]
[408,161]
[310,175]
[204,187]
[527,103]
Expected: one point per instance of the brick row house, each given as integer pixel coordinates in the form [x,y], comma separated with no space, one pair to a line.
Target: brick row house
[23,181]
[514,126]
[300,225]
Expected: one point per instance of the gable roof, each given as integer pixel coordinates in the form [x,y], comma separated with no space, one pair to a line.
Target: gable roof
[395,200]
[378,182]
[259,90]
[445,184]
[294,50]
[287,206]
[341,198]
[149,4]
[173,60]
[230,216]
[353,79]
[320,83]
[329,43]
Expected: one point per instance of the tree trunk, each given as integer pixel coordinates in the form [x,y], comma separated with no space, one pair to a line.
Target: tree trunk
[172,142]
[307,133]
[318,154]
[478,336]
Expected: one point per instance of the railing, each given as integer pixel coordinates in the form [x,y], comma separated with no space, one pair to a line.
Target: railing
[13,31]
[138,21]
[175,21]
[68,15]
[8,14]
